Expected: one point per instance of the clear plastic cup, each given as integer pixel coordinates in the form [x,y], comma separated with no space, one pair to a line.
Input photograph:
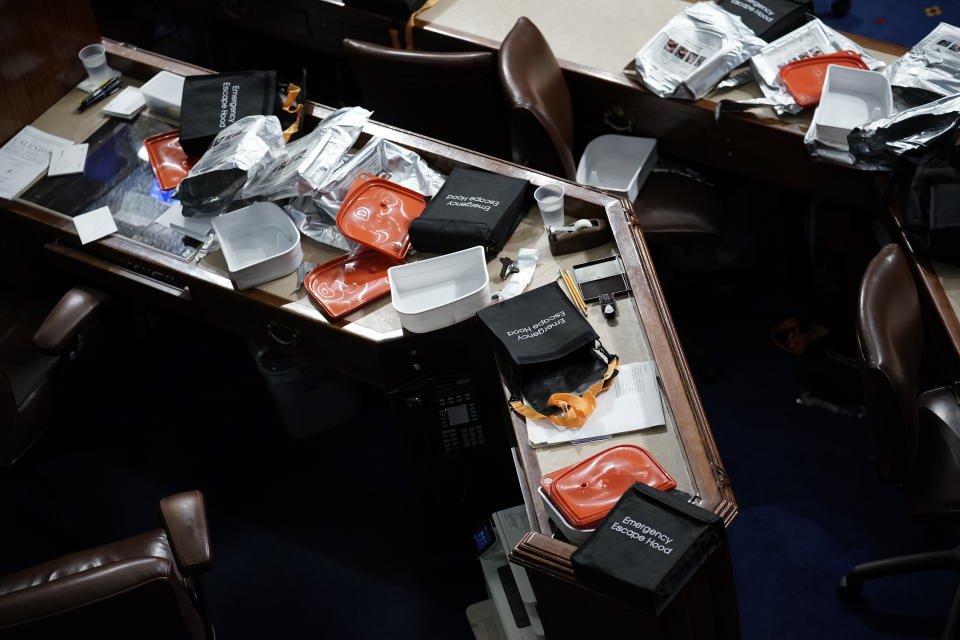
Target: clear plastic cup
[94,59]
[549,199]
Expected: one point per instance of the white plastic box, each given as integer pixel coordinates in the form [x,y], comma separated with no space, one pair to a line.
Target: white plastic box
[438,292]
[619,164]
[162,94]
[850,98]
[575,536]
[260,243]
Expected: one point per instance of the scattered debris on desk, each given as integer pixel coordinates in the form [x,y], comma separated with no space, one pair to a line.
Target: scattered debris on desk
[932,66]
[694,51]
[521,274]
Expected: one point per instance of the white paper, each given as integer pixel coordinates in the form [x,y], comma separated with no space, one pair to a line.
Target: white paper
[24,159]
[126,104]
[630,404]
[94,225]
[67,160]
[197,227]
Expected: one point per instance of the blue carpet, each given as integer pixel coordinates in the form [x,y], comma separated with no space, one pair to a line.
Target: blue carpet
[902,22]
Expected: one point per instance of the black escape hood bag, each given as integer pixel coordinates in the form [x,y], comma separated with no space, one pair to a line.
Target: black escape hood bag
[770,19]
[214,102]
[550,348]
[648,547]
[472,208]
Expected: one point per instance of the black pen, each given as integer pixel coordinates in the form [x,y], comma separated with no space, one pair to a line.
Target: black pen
[100,93]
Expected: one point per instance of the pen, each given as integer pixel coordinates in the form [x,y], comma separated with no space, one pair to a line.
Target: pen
[101,92]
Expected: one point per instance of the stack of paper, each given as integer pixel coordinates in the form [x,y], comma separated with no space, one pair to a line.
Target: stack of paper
[25,158]
[126,105]
[631,404]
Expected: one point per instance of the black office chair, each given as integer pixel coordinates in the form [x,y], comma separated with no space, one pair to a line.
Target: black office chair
[916,435]
[454,97]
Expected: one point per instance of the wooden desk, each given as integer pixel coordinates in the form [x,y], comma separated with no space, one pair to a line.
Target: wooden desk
[365,343]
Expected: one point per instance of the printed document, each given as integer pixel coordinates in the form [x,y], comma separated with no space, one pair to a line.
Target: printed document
[24,159]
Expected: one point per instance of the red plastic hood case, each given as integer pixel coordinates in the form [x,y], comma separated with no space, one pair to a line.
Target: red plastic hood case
[376,213]
[586,491]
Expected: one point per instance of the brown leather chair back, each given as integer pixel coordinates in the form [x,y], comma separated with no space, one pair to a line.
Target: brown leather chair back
[541,112]
[142,587]
[890,332]
[454,97]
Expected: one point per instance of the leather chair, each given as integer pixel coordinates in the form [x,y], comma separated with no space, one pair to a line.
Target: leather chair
[670,206]
[33,346]
[916,435]
[144,587]
[454,97]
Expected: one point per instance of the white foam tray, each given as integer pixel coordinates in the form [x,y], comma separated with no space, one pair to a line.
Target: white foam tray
[260,243]
[850,98]
[575,536]
[163,93]
[438,292]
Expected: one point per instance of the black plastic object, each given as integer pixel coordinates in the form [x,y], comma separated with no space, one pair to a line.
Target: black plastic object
[932,219]
[552,347]
[213,102]
[770,19]
[648,547]
[472,208]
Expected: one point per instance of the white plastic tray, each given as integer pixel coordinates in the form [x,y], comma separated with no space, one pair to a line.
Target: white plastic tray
[437,292]
[850,98]
[617,163]
[163,93]
[260,243]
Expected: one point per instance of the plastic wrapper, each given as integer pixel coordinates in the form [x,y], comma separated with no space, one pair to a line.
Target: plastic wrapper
[311,157]
[239,151]
[932,65]
[878,144]
[316,213]
[812,39]
[694,51]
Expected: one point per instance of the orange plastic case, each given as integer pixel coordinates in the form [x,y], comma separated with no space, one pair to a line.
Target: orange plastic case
[804,78]
[169,161]
[586,491]
[376,213]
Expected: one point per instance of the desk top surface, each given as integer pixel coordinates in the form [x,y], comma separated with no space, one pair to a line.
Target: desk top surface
[603,36]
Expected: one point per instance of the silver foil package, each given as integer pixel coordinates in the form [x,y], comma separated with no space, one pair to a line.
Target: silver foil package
[878,144]
[316,213]
[237,152]
[933,64]
[694,51]
[312,156]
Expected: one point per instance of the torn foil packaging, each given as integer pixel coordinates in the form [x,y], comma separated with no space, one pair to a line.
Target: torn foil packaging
[315,213]
[879,143]
[239,151]
[812,39]
[933,64]
[314,155]
[694,51]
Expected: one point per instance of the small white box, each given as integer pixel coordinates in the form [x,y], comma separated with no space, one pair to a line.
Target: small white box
[438,292]
[619,164]
[162,94]
[260,243]
[850,98]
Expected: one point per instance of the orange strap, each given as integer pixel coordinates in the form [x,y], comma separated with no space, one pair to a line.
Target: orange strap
[293,92]
[408,31]
[574,409]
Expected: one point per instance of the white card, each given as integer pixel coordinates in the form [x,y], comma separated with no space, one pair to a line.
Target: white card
[67,160]
[126,104]
[94,225]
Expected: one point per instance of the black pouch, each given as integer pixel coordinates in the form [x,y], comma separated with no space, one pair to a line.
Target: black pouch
[472,208]
[770,19]
[649,545]
[214,102]
[932,211]
[556,359]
